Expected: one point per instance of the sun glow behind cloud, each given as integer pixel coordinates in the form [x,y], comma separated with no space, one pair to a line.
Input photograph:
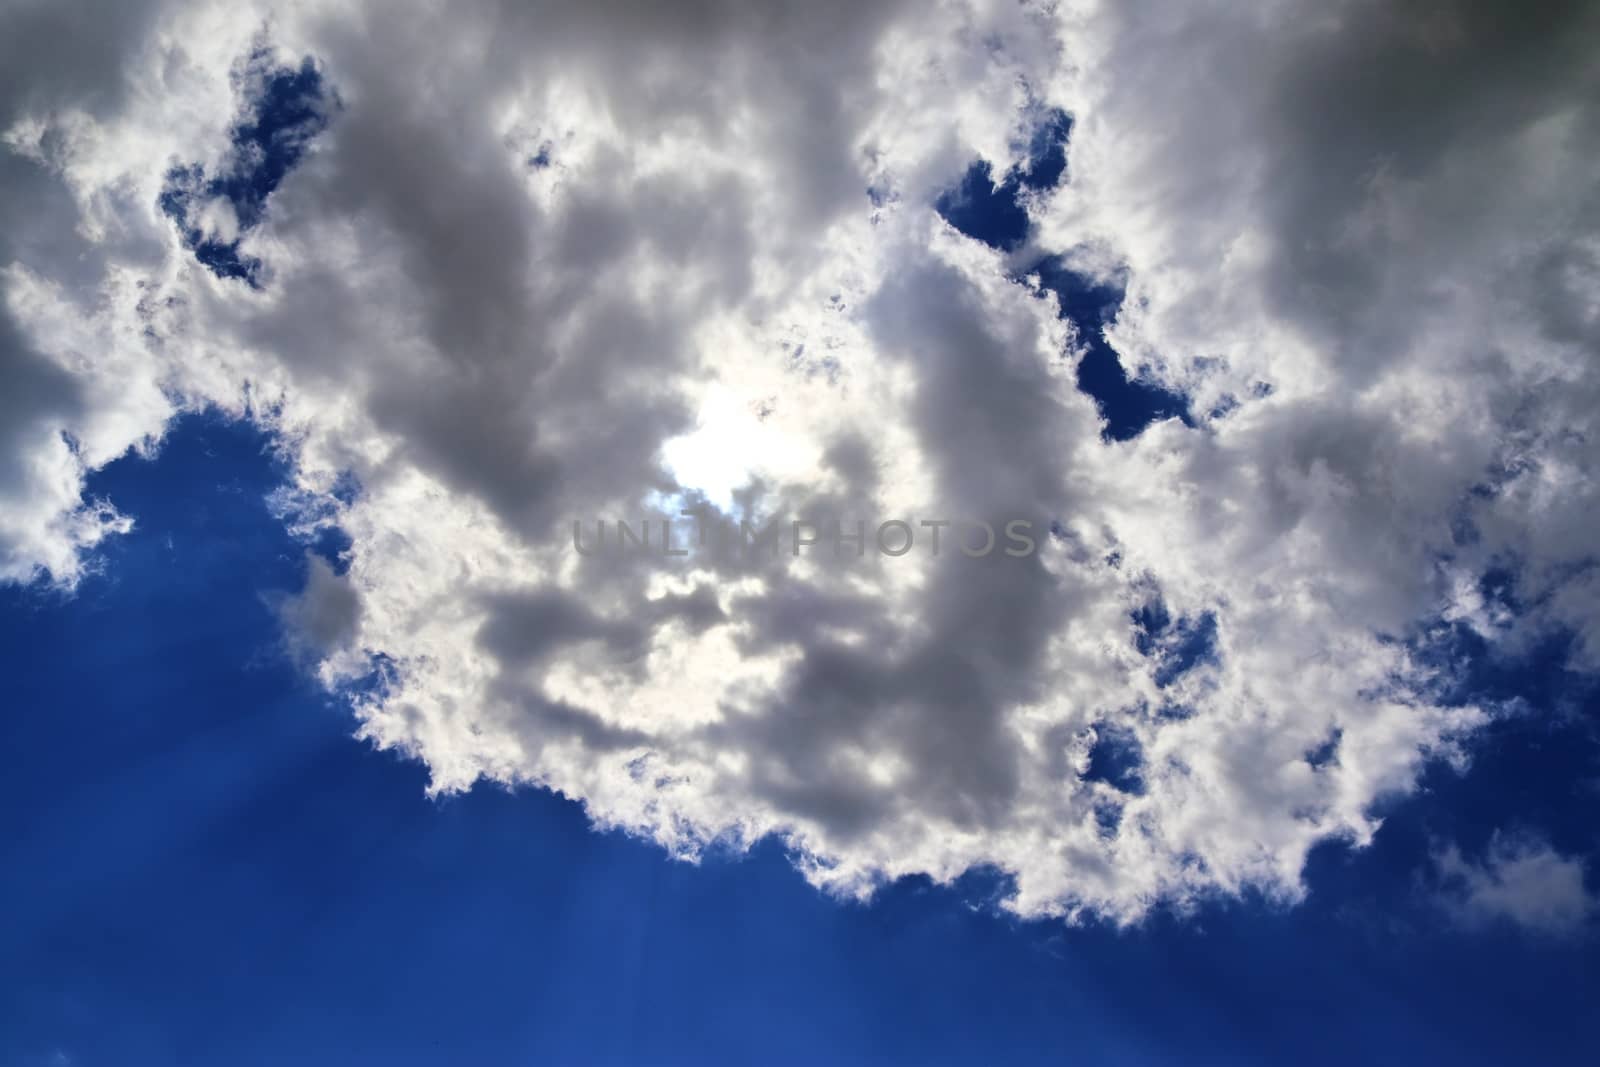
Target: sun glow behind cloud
[736,440]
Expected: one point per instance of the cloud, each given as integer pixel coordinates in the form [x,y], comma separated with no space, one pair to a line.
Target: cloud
[1522,880]
[323,617]
[519,265]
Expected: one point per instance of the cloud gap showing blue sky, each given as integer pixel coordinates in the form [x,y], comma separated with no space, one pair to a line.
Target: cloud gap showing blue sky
[284,108]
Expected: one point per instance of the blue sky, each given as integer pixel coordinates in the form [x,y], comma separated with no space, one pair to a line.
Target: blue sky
[324,329]
[206,867]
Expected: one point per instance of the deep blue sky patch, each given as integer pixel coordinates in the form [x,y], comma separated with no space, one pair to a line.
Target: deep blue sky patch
[1127,404]
[1179,644]
[285,108]
[991,210]
[1115,758]
[986,210]
[994,213]
[1047,152]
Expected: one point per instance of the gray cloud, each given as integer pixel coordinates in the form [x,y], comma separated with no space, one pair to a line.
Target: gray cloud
[1520,880]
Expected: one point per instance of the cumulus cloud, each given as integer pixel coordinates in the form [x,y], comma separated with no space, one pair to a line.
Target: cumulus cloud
[494,269]
[1522,880]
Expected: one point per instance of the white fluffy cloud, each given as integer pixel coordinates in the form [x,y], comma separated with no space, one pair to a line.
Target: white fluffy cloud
[572,260]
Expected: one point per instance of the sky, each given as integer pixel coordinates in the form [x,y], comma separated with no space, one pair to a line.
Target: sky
[337,345]
[204,867]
